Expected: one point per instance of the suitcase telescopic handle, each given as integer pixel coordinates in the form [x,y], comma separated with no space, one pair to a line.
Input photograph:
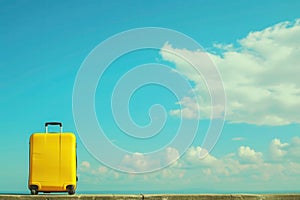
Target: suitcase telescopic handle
[54,124]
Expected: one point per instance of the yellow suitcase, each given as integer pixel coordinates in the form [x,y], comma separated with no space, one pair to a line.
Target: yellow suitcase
[52,161]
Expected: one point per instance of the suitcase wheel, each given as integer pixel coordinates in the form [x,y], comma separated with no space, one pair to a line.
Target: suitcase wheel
[34,189]
[70,189]
[34,192]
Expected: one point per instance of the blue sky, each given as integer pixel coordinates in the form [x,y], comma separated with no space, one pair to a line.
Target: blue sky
[254,45]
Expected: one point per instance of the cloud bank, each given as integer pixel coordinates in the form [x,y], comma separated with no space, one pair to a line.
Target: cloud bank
[245,169]
[259,72]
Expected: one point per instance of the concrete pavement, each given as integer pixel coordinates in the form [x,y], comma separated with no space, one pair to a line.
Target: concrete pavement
[155,197]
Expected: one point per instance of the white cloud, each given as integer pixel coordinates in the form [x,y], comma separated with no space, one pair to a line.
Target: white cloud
[172,154]
[84,166]
[278,149]
[138,162]
[238,139]
[211,166]
[249,155]
[193,155]
[189,110]
[260,76]
[102,169]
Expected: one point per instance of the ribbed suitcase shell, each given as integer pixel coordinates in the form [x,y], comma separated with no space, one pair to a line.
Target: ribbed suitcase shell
[52,161]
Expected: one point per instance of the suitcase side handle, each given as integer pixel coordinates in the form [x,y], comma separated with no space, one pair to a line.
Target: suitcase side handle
[54,124]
